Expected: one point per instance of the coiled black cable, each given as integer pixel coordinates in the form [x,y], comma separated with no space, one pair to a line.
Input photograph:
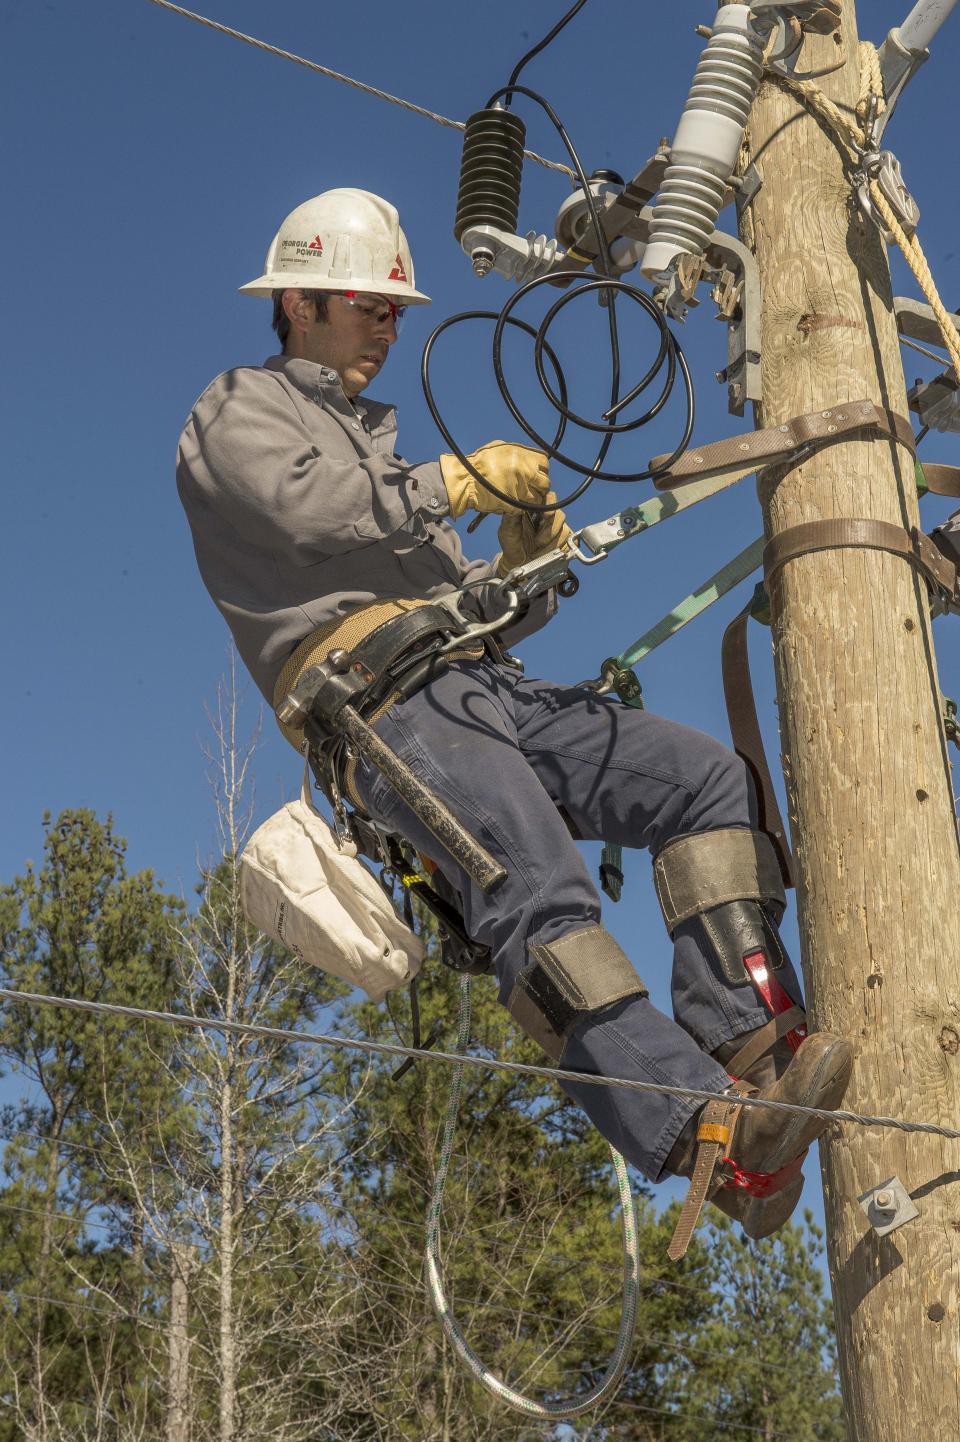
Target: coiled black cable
[669,355]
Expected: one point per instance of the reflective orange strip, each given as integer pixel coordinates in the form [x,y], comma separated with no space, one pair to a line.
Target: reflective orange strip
[713,1132]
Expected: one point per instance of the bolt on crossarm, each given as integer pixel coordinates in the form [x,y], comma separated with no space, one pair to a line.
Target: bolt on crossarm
[865,758]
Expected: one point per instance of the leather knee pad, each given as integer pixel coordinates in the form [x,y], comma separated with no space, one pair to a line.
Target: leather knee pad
[728,882]
[567,979]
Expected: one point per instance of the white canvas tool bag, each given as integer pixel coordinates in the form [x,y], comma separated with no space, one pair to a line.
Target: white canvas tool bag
[319,901]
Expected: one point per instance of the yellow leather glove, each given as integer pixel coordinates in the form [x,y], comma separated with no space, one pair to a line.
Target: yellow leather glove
[525,536]
[518,471]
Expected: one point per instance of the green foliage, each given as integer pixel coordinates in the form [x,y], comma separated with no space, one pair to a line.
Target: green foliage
[532,1244]
[290,1186]
[766,1357]
[79,926]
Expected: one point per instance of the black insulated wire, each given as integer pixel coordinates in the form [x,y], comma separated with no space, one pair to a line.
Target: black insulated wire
[669,358]
[542,44]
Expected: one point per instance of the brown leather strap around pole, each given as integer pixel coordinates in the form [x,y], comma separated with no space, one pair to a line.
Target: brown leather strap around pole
[747,740]
[785,443]
[912,545]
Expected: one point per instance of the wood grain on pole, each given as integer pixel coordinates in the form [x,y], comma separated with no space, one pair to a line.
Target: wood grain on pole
[868,776]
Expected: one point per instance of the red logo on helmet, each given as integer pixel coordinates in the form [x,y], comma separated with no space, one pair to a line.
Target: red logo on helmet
[316,244]
[398,272]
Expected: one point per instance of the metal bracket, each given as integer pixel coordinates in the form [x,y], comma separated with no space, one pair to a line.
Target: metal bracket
[917,320]
[888,1206]
[729,256]
[746,187]
[898,66]
[515,257]
[728,265]
[937,402]
[884,167]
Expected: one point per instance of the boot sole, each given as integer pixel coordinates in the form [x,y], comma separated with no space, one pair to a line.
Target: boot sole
[759,1217]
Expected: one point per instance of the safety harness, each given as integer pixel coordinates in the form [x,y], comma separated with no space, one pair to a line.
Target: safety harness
[359,667]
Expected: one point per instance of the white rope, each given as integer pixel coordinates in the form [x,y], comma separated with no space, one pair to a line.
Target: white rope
[344,79]
[564,1407]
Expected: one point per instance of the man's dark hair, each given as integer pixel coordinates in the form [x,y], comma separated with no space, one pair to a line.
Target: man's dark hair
[280,322]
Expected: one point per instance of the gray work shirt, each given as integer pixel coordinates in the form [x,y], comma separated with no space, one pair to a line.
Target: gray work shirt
[301,511]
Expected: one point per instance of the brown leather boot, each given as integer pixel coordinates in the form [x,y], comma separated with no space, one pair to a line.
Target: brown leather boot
[762,1056]
[747,1160]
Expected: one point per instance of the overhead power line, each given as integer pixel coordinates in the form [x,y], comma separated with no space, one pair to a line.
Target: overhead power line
[383,1048]
[344,79]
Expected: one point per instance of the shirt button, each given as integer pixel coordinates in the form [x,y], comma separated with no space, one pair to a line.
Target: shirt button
[434,502]
[356,425]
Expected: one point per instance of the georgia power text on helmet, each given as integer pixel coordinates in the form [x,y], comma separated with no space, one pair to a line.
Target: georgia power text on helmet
[341,240]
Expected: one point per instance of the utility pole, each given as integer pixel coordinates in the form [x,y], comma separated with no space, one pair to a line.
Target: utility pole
[868,777]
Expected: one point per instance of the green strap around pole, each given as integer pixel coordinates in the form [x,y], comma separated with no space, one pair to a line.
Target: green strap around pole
[695,604]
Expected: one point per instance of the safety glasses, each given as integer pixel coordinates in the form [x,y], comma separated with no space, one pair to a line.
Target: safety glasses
[377,309]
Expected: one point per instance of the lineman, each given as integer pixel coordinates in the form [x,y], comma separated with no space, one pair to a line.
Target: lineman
[312,535]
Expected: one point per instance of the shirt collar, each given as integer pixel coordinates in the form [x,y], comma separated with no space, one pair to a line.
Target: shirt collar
[319,382]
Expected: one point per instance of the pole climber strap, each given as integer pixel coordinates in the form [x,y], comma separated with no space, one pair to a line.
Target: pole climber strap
[713,1137]
[791,1023]
[785,444]
[746,736]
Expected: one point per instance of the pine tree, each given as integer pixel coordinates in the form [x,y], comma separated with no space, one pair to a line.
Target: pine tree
[79,926]
[765,1360]
[532,1249]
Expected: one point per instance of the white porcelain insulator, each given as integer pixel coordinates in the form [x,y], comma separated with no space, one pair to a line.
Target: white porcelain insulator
[705,150]
[625,251]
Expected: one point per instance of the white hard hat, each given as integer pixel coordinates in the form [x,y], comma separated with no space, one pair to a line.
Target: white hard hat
[341,240]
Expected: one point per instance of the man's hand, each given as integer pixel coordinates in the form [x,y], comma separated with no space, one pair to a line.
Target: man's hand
[520,472]
[525,536]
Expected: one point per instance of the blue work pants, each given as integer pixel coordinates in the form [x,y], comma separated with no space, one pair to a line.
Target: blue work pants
[507,754]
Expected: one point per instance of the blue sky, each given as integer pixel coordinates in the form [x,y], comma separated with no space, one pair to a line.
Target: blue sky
[148,163]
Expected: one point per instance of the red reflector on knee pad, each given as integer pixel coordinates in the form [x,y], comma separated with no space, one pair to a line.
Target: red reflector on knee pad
[776,998]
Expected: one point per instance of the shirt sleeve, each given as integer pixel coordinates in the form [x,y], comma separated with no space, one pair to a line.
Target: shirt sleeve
[246,453]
